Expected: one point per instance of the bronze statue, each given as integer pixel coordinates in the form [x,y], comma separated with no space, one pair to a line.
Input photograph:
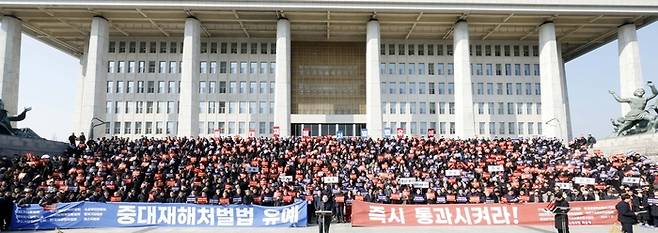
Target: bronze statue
[638,119]
[5,123]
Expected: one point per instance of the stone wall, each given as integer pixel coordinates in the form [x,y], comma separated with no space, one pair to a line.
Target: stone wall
[10,146]
[646,144]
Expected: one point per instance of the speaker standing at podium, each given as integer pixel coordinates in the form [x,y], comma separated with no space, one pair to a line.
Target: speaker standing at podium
[325,205]
[560,207]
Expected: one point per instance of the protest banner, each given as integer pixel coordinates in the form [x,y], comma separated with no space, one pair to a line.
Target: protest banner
[376,215]
[124,214]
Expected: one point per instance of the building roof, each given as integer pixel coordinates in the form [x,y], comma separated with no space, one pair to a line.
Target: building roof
[581,25]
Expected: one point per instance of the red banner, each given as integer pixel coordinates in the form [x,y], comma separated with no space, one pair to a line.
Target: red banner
[366,214]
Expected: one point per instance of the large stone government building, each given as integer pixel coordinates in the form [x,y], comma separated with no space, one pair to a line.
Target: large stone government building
[468,68]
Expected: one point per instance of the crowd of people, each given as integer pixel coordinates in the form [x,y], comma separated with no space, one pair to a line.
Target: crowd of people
[279,171]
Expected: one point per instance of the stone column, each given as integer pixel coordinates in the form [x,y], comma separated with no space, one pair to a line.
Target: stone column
[553,88]
[10,58]
[282,78]
[565,93]
[464,118]
[94,84]
[373,81]
[630,70]
[77,117]
[188,118]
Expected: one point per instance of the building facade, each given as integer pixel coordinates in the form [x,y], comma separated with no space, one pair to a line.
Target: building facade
[257,69]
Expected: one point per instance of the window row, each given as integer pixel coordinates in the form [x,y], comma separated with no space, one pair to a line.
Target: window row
[448,128]
[477,69]
[210,107]
[231,128]
[240,107]
[177,47]
[442,88]
[442,108]
[210,87]
[447,50]
[511,128]
[169,127]
[172,67]
[140,128]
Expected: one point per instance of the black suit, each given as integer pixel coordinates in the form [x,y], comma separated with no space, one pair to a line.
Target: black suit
[561,217]
[625,216]
[326,206]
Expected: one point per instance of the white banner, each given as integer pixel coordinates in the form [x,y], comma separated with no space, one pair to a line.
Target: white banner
[330,179]
[421,184]
[584,180]
[454,172]
[631,180]
[564,185]
[406,181]
[285,178]
[496,168]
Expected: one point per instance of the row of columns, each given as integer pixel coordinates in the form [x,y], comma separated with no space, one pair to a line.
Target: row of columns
[92,97]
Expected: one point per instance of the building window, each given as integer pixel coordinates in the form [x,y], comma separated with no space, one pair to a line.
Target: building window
[221,107]
[110,67]
[162,68]
[151,66]
[150,87]
[203,47]
[234,48]
[222,87]
[223,48]
[203,67]
[131,67]
[243,48]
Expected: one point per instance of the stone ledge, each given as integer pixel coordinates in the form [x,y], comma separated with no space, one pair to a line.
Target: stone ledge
[10,146]
[646,144]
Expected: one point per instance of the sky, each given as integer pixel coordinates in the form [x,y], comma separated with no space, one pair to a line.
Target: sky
[47,84]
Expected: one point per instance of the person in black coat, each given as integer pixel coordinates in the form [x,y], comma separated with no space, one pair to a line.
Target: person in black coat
[653,208]
[4,203]
[625,214]
[560,208]
[327,205]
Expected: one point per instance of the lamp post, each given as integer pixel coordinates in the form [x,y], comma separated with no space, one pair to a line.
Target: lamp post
[91,134]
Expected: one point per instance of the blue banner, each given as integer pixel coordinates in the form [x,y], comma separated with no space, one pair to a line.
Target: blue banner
[127,214]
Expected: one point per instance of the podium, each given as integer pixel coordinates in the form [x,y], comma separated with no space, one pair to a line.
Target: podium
[321,215]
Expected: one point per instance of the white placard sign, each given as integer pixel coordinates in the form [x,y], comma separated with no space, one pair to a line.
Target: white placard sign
[631,180]
[253,169]
[564,185]
[584,180]
[285,178]
[330,179]
[454,172]
[406,181]
[421,184]
[496,168]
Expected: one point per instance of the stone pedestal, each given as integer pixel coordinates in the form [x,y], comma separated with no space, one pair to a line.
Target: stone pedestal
[10,146]
[645,144]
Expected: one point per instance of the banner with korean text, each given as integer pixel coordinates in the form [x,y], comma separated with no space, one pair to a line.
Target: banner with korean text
[125,214]
[366,214]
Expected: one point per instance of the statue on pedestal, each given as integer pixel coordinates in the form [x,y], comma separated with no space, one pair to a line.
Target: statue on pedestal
[639,119]
[5,123]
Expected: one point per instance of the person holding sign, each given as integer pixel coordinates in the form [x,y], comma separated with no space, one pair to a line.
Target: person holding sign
[625,214]
[560,207]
